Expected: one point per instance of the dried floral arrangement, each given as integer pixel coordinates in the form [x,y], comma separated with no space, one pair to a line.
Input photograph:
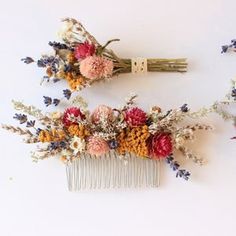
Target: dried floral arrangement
[81,60]
[155,135]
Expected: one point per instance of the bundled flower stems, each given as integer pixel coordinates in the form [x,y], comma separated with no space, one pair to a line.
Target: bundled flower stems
[81,60]
[125,134]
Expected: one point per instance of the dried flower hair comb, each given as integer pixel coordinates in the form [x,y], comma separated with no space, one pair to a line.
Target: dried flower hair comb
[111,147]
[81,60]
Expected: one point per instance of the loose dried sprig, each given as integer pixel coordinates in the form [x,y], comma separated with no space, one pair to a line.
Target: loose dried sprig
[190,155]
[30,110]
[174,165]
[42,154]
[17,130]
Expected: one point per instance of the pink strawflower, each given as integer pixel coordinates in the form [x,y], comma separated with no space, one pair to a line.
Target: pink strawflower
[135,117]
[160,145]
[84,50]
[97,146]
[102,112]
[96,67]
[72,116]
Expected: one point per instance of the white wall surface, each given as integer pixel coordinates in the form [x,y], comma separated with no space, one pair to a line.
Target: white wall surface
[34,199]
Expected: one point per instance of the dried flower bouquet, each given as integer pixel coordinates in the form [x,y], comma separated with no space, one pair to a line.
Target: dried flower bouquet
[126,130]
[81,60]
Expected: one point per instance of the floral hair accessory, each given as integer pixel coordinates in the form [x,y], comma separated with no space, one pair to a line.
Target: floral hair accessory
[111,146]
[81,60]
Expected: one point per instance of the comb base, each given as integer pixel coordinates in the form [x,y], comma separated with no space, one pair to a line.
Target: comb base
[112,171]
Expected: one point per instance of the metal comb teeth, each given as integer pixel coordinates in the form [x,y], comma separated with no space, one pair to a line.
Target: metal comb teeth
[111,171]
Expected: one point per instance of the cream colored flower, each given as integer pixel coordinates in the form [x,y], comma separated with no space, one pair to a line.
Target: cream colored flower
[66,30]
[234,79]
[56,115]
[179,141]
[77,145]
[65,156]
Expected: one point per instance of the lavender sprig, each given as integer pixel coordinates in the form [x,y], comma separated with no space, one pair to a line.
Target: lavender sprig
[30,124]
[51,101]
[184,108]
[174,165]
[56,101]
[183,174]
[57,145]
[67,93]
[231,46]
[233,93]
[38,131]
[22,118]
[47,101]
[27,60]
[49,61]
[113,144]
[57,45]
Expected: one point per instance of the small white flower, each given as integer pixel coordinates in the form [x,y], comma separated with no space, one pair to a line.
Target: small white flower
[179,141]
[77,145]
[73,118]
[65,155]
[66,30]
[79,101]
[56,115]
[234,80]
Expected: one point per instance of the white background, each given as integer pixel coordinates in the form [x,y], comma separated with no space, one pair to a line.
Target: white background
[34,199]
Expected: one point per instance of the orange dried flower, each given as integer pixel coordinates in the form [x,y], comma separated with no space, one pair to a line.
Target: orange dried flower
[78,130]
[74,81]
[51,136]
[49,72]
[134,140]
[44,136]
[71,58]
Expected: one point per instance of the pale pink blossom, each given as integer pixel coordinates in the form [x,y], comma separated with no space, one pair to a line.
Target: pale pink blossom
[102,113]
[97,146]
[96,67]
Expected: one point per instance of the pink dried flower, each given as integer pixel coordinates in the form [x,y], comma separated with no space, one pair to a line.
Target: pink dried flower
[84,50]
[72,115]
[102,112]
[160,145]
[97,146]
[96,67]
[135,117]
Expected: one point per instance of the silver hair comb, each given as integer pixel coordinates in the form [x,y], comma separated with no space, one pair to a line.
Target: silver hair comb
[112,171]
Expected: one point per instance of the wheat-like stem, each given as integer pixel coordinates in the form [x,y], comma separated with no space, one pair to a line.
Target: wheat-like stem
[30,110]
[190,155]
[196,127]
[17,130]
